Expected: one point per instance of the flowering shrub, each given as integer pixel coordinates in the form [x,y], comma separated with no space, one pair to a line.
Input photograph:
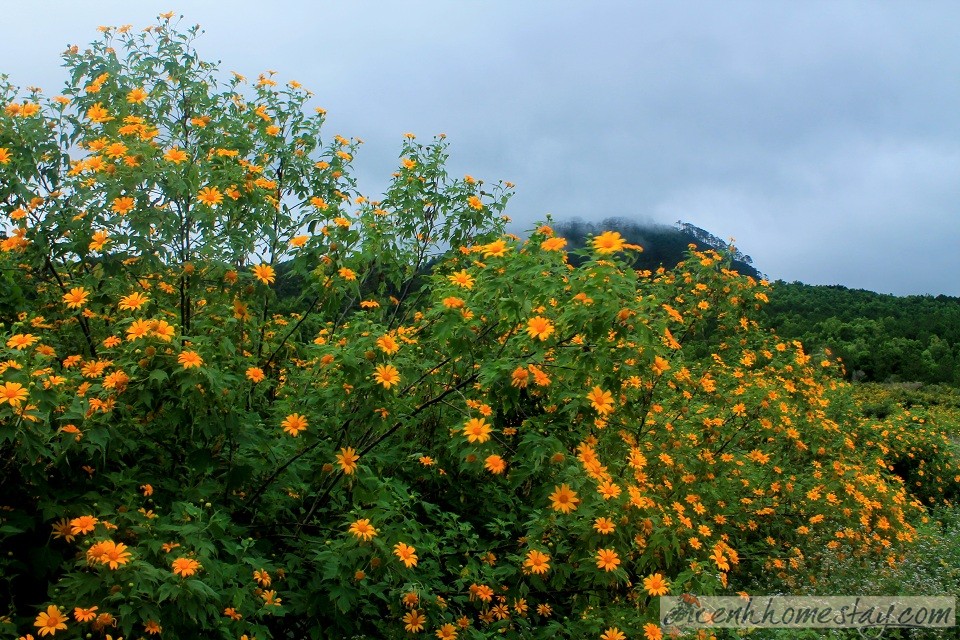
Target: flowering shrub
[912,438]
[239,398]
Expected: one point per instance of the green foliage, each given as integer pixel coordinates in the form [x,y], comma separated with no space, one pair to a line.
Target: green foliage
[240,399]
[878,337]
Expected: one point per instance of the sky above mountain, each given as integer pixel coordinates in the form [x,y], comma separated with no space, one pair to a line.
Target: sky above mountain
[823,136]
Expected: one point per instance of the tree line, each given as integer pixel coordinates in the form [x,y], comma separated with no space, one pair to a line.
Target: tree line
[878,337]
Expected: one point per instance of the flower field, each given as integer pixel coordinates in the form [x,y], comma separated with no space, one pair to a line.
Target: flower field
[240,399]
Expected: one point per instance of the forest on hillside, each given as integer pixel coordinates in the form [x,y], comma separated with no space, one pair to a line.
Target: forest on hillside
[883,338]
[663,245]
[878,337]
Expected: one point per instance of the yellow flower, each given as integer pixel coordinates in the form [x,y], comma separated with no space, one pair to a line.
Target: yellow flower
[347,459]
[4,155]
[133,301]
[719,559]
[294,424]
[98,114]
[660,365]
[601,400]
[474,203]
[76,297]
[123,205]
[656,585]
[519,377]
[607,559]
[50,621]
[553,244]
[537,562]
[139,329]
[299,241]
[21,341]
[564,499]
[387,375]
[85,615]
[613,633]
[408,163]
[113,554]
[185,567]
[388,344]
[495,249]
[97,552]
[190,359]
[118,379]
[495,464]
[115,150]
[363,529]
[539,327]
[461,279]
[210,196]
[12,392]
[414,621]
[176,155]
[608,242]
[82,525]
[255,374]
[262,577]
[476,430]
[28,109]
[604,526]
[99,241]
[406,553]
[63,529]
[264,273]
[163,330]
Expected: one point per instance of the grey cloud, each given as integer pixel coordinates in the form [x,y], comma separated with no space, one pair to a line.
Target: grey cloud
[823,135]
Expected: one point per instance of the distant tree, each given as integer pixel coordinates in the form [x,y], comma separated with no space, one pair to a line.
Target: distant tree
[883,336]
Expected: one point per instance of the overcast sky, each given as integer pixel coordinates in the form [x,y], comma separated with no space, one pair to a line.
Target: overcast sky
[823,136]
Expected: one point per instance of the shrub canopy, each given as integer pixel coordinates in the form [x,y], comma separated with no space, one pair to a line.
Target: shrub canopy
[240,399]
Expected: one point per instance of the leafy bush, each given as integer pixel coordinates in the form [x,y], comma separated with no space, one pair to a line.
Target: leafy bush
[448,430]
[931,567]
[915,436]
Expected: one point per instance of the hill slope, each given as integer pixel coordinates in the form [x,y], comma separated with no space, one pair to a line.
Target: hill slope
[662,245]
[879,337]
